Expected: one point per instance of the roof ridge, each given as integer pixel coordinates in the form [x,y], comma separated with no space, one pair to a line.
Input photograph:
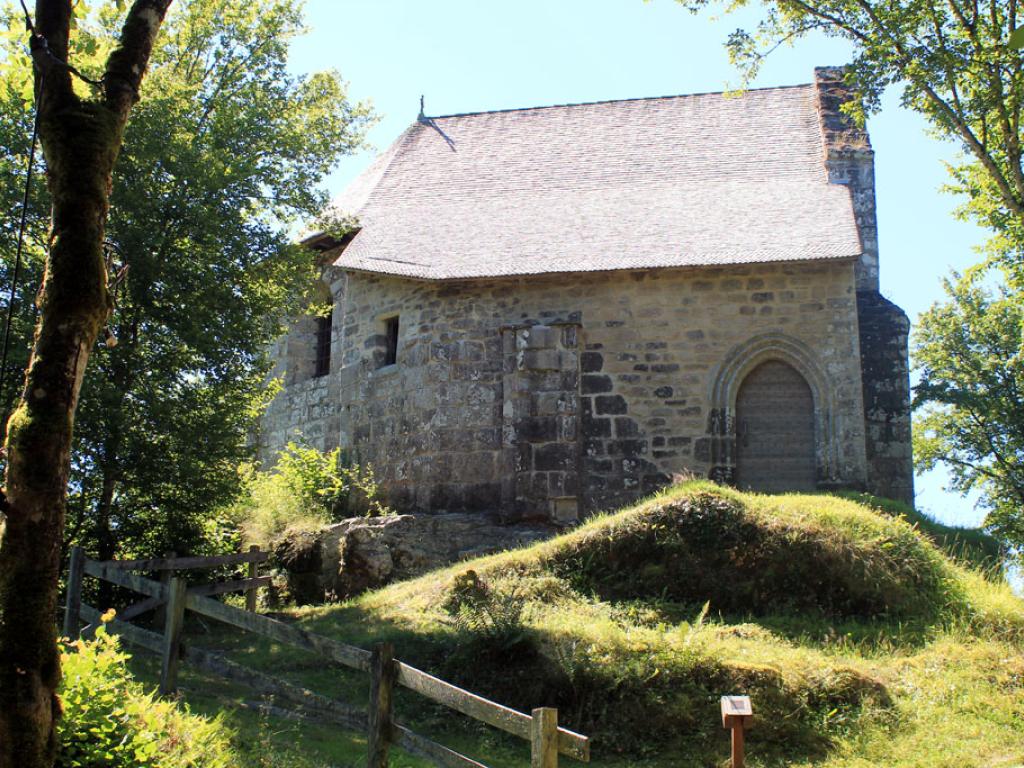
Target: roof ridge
[611,101]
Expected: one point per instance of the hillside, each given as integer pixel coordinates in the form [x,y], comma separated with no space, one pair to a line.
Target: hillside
[858,639]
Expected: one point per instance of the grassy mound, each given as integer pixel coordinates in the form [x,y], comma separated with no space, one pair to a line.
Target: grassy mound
[856,636]
[760,555]
[971,546]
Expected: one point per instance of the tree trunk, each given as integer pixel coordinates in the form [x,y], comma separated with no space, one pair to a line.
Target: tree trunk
[80,141]
[80,145]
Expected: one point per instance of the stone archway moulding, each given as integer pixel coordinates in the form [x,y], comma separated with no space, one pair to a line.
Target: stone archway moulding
[726,384]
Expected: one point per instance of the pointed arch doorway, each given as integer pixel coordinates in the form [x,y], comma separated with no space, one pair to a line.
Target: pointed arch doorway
[775,430]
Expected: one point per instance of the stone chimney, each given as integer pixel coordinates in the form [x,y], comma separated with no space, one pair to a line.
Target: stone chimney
[849,161]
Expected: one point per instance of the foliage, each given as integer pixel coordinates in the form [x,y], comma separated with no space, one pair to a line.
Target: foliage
[492,614]
[307,488]
[109,722]
[322,480]
[225,152]
[968,351]
[954,66]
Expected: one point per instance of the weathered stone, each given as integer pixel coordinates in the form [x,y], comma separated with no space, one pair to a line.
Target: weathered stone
[300,555]
[593,384]
[597,427]
[538,429]
[538,337]
[629,448]
[541,360]
[591,362]
[626,427]
[610,404]
[554,456]
[702,449]
[886,383]
[458,419]
[357,554]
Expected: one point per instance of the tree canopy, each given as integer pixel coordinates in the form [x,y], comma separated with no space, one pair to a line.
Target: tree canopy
[969,354]
[954,65]
[226,151]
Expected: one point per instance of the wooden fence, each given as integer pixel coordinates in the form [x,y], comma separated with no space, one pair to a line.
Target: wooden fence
[541,729]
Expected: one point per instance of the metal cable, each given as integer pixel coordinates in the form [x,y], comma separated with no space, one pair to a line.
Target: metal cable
[21,240]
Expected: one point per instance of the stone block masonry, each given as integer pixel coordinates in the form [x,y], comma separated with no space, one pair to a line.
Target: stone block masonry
[307,408]
[556,396]
[886,378]
[540,422]
[849,160]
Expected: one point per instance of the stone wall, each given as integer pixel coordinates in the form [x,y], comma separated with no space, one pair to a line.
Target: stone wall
[351,556]
[307,408]
[301,413]
[883,326]
[886,379]
[541,421]
[488,365]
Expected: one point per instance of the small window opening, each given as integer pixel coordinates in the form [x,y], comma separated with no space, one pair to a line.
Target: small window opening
[323,346]
[391,336]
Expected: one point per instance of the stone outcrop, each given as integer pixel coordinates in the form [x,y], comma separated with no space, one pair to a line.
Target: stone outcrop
[349,557]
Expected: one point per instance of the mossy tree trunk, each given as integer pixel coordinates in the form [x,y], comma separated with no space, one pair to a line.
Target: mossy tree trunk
[80,140]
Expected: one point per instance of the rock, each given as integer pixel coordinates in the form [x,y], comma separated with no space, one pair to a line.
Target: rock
[357,554]
[299,555]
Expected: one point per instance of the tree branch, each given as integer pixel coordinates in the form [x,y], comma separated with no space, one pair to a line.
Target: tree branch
[955,120]
[52,29]
[127,63]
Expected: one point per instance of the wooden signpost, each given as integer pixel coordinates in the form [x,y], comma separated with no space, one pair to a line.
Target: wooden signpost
[737,715]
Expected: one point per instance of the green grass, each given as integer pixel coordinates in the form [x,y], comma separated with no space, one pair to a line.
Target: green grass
[969,545]
[860,639]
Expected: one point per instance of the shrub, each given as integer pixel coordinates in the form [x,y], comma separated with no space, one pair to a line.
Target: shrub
[306,489]
[327,482]
[109,722]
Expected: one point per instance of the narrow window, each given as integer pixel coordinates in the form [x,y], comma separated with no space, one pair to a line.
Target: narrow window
[391,334]
[323,346]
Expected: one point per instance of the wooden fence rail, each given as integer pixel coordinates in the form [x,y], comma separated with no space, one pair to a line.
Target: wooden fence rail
[547,740]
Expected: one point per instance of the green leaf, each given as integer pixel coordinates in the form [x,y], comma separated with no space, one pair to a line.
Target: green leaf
[1016,40]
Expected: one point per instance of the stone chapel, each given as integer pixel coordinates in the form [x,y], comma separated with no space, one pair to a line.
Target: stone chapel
[553,311]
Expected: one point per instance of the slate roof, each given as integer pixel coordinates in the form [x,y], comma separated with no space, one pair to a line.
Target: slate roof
[677,181]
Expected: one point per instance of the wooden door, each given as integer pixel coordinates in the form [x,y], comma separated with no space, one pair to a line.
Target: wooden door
[775,430]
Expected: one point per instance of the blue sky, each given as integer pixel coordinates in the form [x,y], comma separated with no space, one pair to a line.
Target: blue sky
[473,55]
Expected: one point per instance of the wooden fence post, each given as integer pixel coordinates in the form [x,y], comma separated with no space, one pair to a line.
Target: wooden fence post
[382,681]
[73,604]
[250,594]
[160,615]
[544,738]
[174,620]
